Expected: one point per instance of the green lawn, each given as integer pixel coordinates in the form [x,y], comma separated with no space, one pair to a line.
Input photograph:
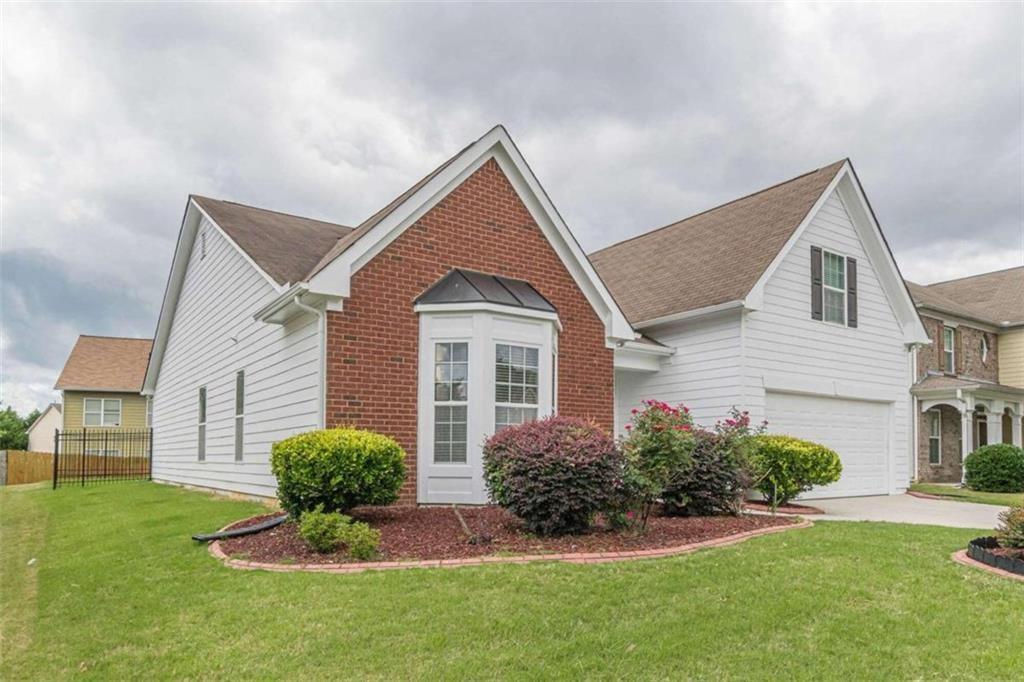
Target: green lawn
[117,589]
[965,495]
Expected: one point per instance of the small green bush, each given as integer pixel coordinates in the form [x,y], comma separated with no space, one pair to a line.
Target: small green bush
[785,466]
[323,530]
[360,540]
[997,468]
[1011,527]
[336,470]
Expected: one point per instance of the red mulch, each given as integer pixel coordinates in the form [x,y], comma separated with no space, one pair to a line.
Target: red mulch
[1009,551]
[435,533]
[791,508]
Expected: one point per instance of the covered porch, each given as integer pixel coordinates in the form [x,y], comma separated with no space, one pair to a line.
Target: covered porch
[956,416]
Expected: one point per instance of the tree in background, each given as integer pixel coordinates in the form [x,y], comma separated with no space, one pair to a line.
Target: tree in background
[14,429]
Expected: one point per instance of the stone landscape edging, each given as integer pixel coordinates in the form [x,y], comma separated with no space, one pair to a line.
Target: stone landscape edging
[572,558]
[927,496]
[962,558]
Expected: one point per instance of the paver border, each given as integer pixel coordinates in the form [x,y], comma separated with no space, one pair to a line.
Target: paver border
[962,558]
[572,558]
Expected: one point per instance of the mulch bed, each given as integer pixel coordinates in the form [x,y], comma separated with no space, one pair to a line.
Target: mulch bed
[425,533]
[791,508]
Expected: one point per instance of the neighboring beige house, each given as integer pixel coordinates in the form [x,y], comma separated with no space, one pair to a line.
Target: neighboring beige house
[40,433]
[969,388]
[101,384]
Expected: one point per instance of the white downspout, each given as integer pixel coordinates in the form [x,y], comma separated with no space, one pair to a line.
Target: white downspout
[322,327]
[915,416]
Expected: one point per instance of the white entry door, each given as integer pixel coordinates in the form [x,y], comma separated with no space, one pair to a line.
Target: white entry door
[478,371]
[858,430]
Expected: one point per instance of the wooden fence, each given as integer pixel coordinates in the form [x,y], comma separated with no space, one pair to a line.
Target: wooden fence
[28,467]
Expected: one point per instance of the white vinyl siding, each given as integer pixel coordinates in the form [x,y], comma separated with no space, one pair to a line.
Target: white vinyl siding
[101,412]
[704,373]
[213,333]
[783,347]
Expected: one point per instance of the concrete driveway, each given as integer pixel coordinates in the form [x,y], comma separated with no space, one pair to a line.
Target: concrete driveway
[909,509]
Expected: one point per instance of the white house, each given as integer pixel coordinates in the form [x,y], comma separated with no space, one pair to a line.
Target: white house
[786,303]
[40,432]
[466,304]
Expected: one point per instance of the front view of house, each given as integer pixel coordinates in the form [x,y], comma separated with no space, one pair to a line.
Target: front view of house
[466,305]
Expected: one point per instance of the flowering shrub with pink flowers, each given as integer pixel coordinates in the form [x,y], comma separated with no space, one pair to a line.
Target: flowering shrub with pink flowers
[658,451]
[719,476]
[555,474]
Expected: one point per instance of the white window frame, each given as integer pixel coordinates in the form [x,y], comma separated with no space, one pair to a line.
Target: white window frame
[239,415]
[984,347]
[100,452]
[535,406]
[102,412]
[826,287]
[937,437]
[450,403]
[202,407]
[949,350]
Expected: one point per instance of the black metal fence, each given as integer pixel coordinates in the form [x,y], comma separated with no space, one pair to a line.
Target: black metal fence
[92,455]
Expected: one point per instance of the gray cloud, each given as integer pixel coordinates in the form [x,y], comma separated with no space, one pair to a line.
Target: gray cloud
[632,116]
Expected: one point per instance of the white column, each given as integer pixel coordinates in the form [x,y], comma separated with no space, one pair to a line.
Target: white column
[966,440]
[1015,430]
[995,427]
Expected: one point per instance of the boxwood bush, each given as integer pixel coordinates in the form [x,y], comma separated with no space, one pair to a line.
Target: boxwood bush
[784,467]
[997,468]
[555,474]
[327,531]
[336,470]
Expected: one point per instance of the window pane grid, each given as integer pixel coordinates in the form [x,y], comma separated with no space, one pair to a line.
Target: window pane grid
[934,438]
[516,381]
[101,412]
[834,298]
[451,385]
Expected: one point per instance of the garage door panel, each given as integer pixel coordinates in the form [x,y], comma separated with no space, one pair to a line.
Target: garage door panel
[858,430]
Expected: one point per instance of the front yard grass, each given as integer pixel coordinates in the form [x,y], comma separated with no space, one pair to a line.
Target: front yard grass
[967,495]
[104,582]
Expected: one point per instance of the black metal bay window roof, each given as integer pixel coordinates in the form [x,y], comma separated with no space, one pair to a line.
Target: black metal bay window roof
[466,286]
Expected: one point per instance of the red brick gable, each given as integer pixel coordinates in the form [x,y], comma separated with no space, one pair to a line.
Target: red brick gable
[372,345]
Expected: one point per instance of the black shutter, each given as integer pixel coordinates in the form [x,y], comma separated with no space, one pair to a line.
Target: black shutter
[851,292]
[816,292]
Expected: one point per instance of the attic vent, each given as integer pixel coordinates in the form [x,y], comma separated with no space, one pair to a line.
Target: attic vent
[202,245]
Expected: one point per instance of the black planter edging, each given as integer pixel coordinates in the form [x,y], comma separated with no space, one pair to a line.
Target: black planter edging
[978,549]
[238,532]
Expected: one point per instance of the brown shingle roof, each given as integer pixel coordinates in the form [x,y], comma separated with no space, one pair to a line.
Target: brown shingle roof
[941,381]
[106,363]
[710,258]
[925,297]
[285,246]
[996,296]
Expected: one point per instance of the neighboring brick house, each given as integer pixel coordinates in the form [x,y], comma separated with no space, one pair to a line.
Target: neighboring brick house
[462,306]
[969,383]
[101,386]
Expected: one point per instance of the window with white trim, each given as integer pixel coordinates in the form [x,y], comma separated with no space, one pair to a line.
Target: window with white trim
[201,444]
[100,452]
[101,412]
[516,382]
[834,287]
[934,437]
[984,347]
[948,344]
[451,397]
[239,414]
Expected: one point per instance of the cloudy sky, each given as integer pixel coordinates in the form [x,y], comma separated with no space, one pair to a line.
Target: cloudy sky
[632,117]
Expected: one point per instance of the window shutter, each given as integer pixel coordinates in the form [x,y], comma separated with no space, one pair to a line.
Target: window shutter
[941,345]
[851,292]
[816,292]
[958,354]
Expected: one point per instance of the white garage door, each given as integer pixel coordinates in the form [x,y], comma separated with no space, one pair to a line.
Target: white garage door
[857,430]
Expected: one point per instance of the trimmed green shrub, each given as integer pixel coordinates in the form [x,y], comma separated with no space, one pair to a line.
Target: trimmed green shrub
[784,467]
[997,468]
[360,540]
[322,530]
[336,470]
[1011,527]
[658,454]
[555,473]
